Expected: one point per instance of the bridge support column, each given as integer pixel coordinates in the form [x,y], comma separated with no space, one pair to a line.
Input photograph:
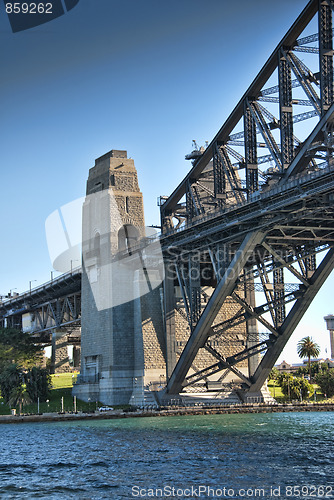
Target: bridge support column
[169,306]
[252,334]
[76,357]
[59,354]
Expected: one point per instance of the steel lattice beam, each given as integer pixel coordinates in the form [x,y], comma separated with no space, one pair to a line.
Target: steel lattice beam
[202,329]
[292,320]
[255,89]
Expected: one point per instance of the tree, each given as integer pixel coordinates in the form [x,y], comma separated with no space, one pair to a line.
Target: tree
[302,370]
[293,387]
[325,381]
[283,376]
[38,383]
[274,374]
[307,348]
[19,396]
[316,367]
[11,378]
[17,347]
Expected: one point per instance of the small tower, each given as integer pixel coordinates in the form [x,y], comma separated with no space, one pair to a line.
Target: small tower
[330,326]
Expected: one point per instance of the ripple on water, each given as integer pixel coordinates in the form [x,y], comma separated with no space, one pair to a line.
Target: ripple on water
[104,459]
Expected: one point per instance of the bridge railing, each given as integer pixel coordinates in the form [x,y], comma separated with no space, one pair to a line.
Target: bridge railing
[40,288]
[290,184]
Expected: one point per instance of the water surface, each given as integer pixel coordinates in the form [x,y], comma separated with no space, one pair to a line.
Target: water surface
[247,454]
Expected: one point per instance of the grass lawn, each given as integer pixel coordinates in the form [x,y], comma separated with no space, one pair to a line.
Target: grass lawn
[276,392]
[61,388]
[63,380]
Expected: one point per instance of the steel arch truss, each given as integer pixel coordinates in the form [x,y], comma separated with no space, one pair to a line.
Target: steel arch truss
[263,127]
[275,225]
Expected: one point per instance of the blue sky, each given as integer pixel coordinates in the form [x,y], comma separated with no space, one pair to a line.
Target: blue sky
[146,76]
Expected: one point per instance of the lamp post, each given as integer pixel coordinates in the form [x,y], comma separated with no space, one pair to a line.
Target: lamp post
[73,260]
[31,281]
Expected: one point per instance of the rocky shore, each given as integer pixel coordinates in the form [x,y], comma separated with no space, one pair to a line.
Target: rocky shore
[166,412]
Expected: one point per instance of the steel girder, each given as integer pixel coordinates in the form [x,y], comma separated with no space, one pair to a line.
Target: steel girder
[292,320]
[54,304]
[63,311]
[291,238]
[202,330]
[252,182]
[292,210]
[326,54]
[240,271]
[286,115]
[257,90]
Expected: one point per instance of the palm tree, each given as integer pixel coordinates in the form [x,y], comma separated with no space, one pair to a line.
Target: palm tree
[307,348]
[10,379]
[19,396]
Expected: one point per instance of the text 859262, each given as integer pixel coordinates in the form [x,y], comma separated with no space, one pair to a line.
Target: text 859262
[28,8]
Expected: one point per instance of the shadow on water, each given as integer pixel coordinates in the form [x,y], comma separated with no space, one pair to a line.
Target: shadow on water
[107,458]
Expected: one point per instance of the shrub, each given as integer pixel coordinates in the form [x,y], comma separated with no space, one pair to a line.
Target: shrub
[296,386]
[11,379]
[38,383]
[325,381]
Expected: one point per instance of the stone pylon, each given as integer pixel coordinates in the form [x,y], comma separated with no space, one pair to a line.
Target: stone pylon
[113,281]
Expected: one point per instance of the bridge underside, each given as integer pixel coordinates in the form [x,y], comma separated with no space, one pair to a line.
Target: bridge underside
[261,240]
[247,236]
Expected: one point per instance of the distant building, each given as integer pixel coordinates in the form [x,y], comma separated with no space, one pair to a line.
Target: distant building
[330,326]
[285,367]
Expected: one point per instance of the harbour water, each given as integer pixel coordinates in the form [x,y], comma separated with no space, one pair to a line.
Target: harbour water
[286,455]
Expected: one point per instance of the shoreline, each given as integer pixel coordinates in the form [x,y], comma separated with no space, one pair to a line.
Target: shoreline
[178,411]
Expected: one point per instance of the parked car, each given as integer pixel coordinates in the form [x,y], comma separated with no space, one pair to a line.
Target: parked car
[105,408]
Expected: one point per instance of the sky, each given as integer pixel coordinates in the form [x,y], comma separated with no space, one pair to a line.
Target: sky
[147,76]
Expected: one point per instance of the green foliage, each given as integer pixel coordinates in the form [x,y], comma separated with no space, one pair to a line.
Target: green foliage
[20,397]
[302,370]
[283,377]
[292,386]
[316,367]
[274,374]
[17,347]
[325,381]
[38,383]
[10,380]
[307,348]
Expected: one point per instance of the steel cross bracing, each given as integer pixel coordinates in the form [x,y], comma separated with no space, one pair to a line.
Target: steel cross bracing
[262,240]
[53,305]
